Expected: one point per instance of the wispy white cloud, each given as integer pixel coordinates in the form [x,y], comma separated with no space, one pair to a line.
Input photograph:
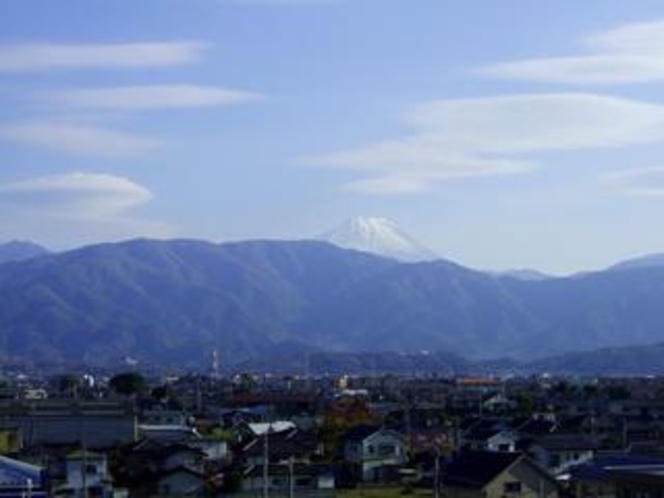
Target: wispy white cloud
[633,53]
[633,38]
[77,208]
[77,195]
[473,138]
[77,139]
[152,97]
[47,56]
[388,185]
[643,182]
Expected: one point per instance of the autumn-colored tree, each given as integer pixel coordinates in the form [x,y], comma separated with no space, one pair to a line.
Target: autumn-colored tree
[342,415]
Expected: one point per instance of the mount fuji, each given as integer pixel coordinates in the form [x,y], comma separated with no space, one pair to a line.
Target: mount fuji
[379,236]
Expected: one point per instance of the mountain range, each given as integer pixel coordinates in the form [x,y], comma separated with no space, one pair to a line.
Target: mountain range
[18,250]
[172,302]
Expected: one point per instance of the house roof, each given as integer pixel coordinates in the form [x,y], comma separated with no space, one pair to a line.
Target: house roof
[554,442]
[484,434]
[299,470]
[283,444]
[537,426]
[475,469]
[82,454]
[277,426]
[360,433]
[483,424]
[364,432]
[180,469]
[599,468]
[15,472]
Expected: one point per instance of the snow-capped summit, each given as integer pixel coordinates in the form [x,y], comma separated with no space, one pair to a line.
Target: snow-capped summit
[378,236]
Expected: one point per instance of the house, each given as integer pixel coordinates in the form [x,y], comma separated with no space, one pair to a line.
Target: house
[558,453]
[213,449]
[149,457]
[596,478]
[281,447]
[375,452]
[534,427]
[644,482]
[281,478]
[492,474]
[85,474]
[21,479]
[151,468]
[260,428]
[93,423]
[497,402]
[180,481]
[164,417]
[492,439]
[168,433]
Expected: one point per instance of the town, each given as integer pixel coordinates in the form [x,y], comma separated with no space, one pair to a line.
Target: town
[243,435]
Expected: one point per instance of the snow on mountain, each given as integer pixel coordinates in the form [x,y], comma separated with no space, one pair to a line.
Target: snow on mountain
[524,274]
[378,236]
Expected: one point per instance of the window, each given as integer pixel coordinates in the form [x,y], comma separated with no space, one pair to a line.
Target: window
[512,487]
[387,449]
[90,469]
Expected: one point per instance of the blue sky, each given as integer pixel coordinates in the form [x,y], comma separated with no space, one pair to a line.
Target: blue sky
[499,134]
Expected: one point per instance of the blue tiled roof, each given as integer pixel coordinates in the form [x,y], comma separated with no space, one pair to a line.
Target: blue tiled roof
[17,473]
[597,469]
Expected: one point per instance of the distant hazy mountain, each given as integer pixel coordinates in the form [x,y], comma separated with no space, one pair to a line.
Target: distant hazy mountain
[632,360]
[651,260]
[378,236]
[173,301]
[16,250]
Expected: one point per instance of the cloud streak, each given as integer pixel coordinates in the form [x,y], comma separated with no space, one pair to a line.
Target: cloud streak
[633,53]
[643,182]
[152,97]
[474,138]
[50,56]
[78,208]
[76,195]
[78,139]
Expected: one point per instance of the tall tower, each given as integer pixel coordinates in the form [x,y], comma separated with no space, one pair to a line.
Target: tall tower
[214,365]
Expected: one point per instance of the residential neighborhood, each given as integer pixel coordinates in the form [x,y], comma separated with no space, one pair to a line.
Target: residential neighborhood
[137,435]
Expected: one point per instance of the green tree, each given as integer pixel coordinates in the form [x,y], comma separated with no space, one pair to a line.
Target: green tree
[68,385]
[128,383]
[524,403]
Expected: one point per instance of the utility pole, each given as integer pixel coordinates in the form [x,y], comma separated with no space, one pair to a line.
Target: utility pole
[291,480]
[84,477]
[436,476]
[266,463]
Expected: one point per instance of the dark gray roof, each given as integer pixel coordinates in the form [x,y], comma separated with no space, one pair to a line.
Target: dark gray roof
[360,433]
[567,442]
[475,469]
